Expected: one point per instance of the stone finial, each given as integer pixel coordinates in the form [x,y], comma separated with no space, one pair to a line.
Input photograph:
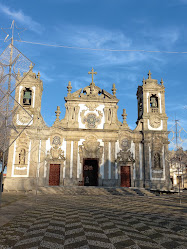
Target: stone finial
[38,75]
[143,80]
[58,113]
[114,89]
[31,67]
[18,73]
[149,74]
[69,87]
[161,82]
[124,115]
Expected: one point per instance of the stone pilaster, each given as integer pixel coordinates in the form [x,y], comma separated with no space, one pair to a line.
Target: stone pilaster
[147,160]
[106,160]
[68,158]
[137,162]
[112,160]
[75,153]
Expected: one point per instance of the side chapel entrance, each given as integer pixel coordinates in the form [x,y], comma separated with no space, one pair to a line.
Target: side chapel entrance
[90,172]
[54,175]
[125,176]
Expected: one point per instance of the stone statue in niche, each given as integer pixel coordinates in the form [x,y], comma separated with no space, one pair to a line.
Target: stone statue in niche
[157,163]
[22,157]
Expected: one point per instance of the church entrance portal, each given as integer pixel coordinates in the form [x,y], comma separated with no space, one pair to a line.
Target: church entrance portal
[125,176]
[90,172]
[54,175]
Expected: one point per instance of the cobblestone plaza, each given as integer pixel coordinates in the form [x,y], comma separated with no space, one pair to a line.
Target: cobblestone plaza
[93,218]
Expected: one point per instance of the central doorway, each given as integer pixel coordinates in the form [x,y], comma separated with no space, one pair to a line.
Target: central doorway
[125,176]
[54,175]
[90,172]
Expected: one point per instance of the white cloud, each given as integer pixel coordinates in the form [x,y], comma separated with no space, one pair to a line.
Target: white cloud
[99,39]
[44,77]
[162,38]
[20,17]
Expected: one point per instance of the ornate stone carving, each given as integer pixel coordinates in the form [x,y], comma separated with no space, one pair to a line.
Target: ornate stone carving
[91,120]
[76,94]
[90,149]
[125,156]
[92,106]
[56,140]
[56,153]
[125,143]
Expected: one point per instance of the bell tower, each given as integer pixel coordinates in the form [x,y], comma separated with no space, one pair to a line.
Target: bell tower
[152,123]
[28,95]
[151,105]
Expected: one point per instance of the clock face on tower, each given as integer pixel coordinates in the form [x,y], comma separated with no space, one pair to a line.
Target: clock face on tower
[155,122]
[25,117]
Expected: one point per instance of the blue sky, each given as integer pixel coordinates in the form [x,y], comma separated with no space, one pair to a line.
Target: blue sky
[105,24]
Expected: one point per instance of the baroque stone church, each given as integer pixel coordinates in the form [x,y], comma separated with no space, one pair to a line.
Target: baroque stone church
[89,146]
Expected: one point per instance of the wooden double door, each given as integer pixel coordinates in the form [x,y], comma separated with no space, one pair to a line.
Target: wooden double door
[54,175]
[125,176]
[90,172]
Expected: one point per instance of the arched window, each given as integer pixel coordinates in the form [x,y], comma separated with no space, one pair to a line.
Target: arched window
[154,101]
[27,96]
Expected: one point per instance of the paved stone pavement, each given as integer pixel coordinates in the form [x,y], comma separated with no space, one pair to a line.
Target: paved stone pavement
[96,222]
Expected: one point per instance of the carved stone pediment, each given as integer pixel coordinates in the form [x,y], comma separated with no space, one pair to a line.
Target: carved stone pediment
[76,94]
[92,90]
[90,148]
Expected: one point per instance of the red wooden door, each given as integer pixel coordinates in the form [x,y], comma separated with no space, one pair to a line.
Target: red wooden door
[125,176]
[54,175]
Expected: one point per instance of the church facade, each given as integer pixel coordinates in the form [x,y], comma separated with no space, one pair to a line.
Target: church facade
[89,146]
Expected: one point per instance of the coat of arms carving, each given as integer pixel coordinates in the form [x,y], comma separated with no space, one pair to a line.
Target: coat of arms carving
[56,153]
[90,148]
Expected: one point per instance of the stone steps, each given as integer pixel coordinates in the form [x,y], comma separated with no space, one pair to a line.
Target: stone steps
[82,190]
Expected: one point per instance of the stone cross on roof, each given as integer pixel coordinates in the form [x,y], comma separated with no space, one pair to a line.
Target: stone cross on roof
[92,72]
[149,74]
